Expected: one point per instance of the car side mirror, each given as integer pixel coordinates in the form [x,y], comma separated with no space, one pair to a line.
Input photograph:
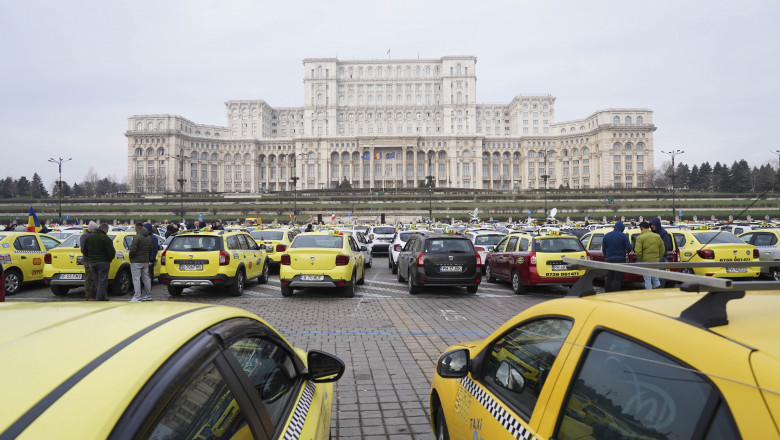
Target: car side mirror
[324,367]
[364,248]
[454,364]
[508,377]
[262,246]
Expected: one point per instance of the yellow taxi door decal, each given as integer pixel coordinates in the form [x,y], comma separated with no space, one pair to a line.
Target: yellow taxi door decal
[496,420]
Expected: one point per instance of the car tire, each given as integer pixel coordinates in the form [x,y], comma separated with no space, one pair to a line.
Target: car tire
[362,279]
[13,281]
[390,261]
[489,274]
[287,291]
[517,286]
[472,289]
[413,289]
[122,283]
[175,290]
[400,277]
[775,274]
[442,433]
[60,290]
[237,288]
[394,269]
[369,262]
[349,289]
[263,278]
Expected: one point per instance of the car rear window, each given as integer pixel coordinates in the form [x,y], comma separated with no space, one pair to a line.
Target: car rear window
[558,245]
[448,245]
[719,237]
[72,241]
[404,236]
[267,235]
[318,241]
[489,240]
[194,243]
[384,230]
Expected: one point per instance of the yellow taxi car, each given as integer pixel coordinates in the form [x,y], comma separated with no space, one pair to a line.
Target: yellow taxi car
[534,260]
[22,256]
[694,246]
[276,241]
[221,373]
[213,258]
[618,366]
[64,268]
[323,259]
[766,242]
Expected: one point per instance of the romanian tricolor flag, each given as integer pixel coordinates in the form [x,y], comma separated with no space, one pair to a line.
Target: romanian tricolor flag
[377,155]
[33,225]
[333,216]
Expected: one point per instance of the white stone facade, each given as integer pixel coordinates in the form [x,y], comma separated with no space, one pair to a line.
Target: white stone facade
[390,124]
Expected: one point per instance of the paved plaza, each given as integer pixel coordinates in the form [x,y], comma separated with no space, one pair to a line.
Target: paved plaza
[388,339]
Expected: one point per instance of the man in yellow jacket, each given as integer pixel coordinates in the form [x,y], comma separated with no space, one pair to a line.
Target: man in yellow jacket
[649,248]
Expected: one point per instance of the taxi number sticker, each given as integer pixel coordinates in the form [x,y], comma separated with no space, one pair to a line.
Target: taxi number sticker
[560,267]
[564,274]
[312,277]
[190,267]
[70,276]
[736,269]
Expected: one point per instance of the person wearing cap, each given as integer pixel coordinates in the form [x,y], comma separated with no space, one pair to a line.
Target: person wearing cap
[99,248]
[649,248]
[90,289]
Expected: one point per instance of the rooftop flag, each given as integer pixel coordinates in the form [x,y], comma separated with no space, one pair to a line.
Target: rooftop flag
[33,225]
[377,155]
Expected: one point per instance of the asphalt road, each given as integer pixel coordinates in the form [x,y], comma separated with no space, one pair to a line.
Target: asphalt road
[388,339]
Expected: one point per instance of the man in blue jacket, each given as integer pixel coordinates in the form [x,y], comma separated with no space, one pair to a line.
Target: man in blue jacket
[615,246]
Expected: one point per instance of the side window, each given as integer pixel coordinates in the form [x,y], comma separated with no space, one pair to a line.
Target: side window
[501,245]
[271,371]
[290,236]
[764,239]
[205,408]
[27,243]
[523,245]
[518,362]
[249,242]
[512,244]
[353,245]
[129,241]
[626,390]
[679,240]
[747,237]
[232,242]
[409,246]
[49,243]
[595,242]
[738,231]
[584,240]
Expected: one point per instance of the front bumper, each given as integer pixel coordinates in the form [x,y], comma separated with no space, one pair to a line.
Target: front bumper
[219,280]
[298,283]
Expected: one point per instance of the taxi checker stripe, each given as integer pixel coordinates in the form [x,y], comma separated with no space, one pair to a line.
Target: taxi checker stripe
[506,420]
[39,408]
[295,427]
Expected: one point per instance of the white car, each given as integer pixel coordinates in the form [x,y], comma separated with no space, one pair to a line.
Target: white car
[399,240]
[484,241]
[381,236]
[362,240]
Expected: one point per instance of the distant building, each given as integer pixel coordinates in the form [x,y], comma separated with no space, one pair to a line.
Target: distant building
[387,124]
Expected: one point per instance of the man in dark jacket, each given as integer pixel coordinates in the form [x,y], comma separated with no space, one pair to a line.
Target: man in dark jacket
[615,246]
[655,226]
[90,289]
[99,249]
[139,262]
[153,255]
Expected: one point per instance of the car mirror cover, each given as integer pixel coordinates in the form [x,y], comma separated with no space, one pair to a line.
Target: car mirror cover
[453,364]
[324,367]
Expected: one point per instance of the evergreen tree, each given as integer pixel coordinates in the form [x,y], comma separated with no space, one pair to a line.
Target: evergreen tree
[7,188]
[23,187]
[694,181]
[705,177]
[78,190]
[37,189]
[739,177]
[682,176]
[345,185]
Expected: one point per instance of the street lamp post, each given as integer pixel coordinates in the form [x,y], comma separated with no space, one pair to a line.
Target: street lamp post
[294,180]
[672,154]
[777,175]
[430,188]
[182,181]
[544,177]
[59,162]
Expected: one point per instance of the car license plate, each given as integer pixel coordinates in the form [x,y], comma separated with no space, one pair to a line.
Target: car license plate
[190,267]
[736,269]
[450,268]
[80,260]
[560,267]
[70,276]
[312,277]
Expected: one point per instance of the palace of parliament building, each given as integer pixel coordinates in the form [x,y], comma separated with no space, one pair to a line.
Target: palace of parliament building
[391,124]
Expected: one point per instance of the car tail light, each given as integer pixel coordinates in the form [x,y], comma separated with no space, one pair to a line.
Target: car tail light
[533,259]
[162,258]
[706,254]
[224,258]
[677,258]
[285,259]
[479,261]
[480,249]
[587,256]
[281,247]
[47,258]
[342,260]
[421,259]
[397,248]
[756,254]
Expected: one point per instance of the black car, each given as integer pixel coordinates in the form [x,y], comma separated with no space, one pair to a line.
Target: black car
[439,260]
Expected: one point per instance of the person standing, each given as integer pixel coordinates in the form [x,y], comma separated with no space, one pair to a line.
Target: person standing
[648,249]
[89,280]
[615,246]
[99,249]
[655,226]
[152,256]
[139,254]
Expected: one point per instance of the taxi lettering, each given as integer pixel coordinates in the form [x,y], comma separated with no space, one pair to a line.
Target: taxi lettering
[475,424]
[736,259]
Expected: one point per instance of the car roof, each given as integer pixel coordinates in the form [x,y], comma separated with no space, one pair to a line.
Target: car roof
[38,336]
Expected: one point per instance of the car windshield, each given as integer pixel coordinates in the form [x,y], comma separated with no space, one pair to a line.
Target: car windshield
[448,246]
[717,237]
[194,243]
[562,244]
[489,240]
[318,241]
[267,235]
[384,230]
[72,241]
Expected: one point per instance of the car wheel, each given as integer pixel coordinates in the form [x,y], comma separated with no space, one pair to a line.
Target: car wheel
[369,262]
[489,274]
[517,286]
[287,291]
[390,261]
[237,288]
[400,277]
[13,281]
[775,274]
[362,279]
[442,433]
[349,289]
[175,290]
[394,269]
[413,289]
[472,289]
[122,283]
[264,277]
[60,290]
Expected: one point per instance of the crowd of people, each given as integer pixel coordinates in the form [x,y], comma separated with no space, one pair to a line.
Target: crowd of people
[651,246]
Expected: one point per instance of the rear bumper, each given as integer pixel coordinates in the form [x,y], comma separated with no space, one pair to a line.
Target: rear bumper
[327,281]
[215,281]
[55,281]
[380,247]
[423,279]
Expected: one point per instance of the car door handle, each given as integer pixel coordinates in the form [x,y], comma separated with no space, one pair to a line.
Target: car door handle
[23,257]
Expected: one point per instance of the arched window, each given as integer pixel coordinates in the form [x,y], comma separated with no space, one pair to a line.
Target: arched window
[161,126]
[341,72]
[360,72]
[460,98]
[194,155]
[640,146]
[150,126]
[247,157]
[408,71]
[516,155]
[585,151]
[629,147]
[345,156]
[582,128]
[417,72]
[563,131]
[356,156]
[272,158]
[139,126]
[282,158]
[575,152]
[350,72]
[341,100]
[427,71]
[139,152]
[319,99]
[237,157]
[262,156]
[485,156]
[628,120]
[616,120]
[370,72]
[398,72]
[457,69]
[436,71]
[203,156]
[442,154]
[616,146]
[639,120]
[505,156]
[214,156]
[531,154]
[161,151]
[310,156]
[334,156]
[565,153]
[495,155]
[319,71]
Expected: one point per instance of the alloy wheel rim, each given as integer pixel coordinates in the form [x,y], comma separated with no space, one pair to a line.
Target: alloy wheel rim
[11,282]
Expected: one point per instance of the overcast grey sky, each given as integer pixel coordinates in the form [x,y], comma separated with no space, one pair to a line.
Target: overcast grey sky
[73,71]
